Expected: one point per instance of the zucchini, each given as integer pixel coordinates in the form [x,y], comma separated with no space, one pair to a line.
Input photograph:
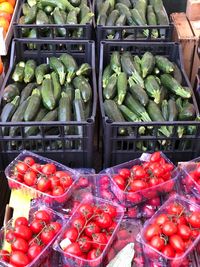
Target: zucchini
[188,112]
[64,110]
[128,114]
[32,130]
[84,69]
[33,105]
[18,74]
[62,4]
[136,107]
[69,90]
[162,17]
[125,2]
[83,85]
[25,31]
[58,67]
[106,75]
[42,18]
[101,20]
[72,17]
[70,65]
[110,90]
[173,111]
[10,92]
[147,64]
[50,116]
[164,64]
[75,3]
[122,84]
[138,93]
[56,86]
[104,8]
[48,10]
[163,94]
[165,110]
[124,10]
[25,8]
[26,92]
[139,20]
[78,109]
[127,63]
[9,109]
[40,71]
[137,64]
[85,20]
[171,84]
[29,70]
[152,21]
[115,62]
[141,7]
[111,21]
[153,88]
[177,74]
[30,17]
[121,21]
[84,11]
[58,19]
[32,34]
[47,93]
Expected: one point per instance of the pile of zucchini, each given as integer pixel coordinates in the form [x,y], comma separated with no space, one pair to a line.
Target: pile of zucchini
[144,89]
[57,91]
[131,13]
[60,12]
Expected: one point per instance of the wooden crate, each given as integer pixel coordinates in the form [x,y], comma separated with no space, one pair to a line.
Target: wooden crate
[195,25]
[193,9]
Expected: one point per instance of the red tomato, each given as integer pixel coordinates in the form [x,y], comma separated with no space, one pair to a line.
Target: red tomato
[66,181]
[168,251]
[125,173]
[139,172]
[168,167]
[79,223]
[42,215]
[194,233]
[169,228]
[99,240]
[19,259]
[29,161]
[71,234]
[20,244]
[151,231]
[23,231]
[30,178]
[157,243]
[112,228]
[21,221]
[36,226]
[155,157]
[92,228]
[86,210]
[85,243]
[34,251]
[104,220]
[55,181]
[49,169]
[58,191]
[4,255]
[177,243]
[93,255]
[21,167]
[153,181]
[119,181]
[194,219]
[60,174]
[184,231]
[137,185]
[180,220]
[161,219]
[73,249]
[10,236]
[158,172]
[56,226]
[47,235]
[43,184]
[111,210]
[36,167]
[175,208]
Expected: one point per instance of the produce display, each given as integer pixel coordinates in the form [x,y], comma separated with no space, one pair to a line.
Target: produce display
[121,13]
[43,12]
[6,12]
[55,91]
[171,234]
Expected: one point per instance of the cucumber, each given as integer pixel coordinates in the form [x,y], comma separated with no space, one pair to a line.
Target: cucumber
[56,86]
[58,19]
[152,20]
[141,7]
[177,74]
[84,69]
[138,93]
[124,10]
[128,114]
[18,74]
[121,21]
[153,88]
[136,107]
[187,113]
[106,75]
[47,93]
[83,85]
[41,18]
[139,20]
[33,105]
[125,2]
[165,110]
[164,64]
[122,84]
[10,92]
[9,109]
[110,90]
[115,62]
[70,65]
[32,130]
[58,67]
[147,64]
[111,20]
[64,110]
[172,85]
[26,92]
[137,64]
[173,111]
[69,90]
[29,70]
[30,17]
[72,17]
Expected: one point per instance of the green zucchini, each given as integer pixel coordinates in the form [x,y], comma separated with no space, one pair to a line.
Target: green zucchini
[141,6]
[62,4]
[75,3]
[188,112]
[115,62]
[81,83]
[84,69]
[124,10]
[125,2]
[29,70]
[85,20]
[152,21]
[153,88]
[48,10]
[9,109]
[122,84]
[25,8]
[78,108]
[69,90]
[64,110]
[177,74]
[173,111]
[40,71]
[110,90]
[26,92]
[104,8]
[121,21]
[165,110]
[128,114]
[163,94]
[139,20]
[10,92]
[56,86]
[32,34]
[147,64]
[106,75]
[164,64]
[33,105]
[138,92]
[162,17]
[41,18]
[70,65]
[25,31]
[58,67]
[112,4]
[32,130]
[72,17]
[30,17]
[127,63]
[58,19]
[47,93]
[18,74]
[50,116]
[111,19]
[101,20]
[84,11]
[137,64]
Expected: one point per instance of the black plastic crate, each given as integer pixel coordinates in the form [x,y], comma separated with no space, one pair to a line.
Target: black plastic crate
[87,29]
[73,150]
[118,149]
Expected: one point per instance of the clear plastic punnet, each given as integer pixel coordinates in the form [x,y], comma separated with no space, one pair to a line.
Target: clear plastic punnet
[75,261]
[41,197]
[157,256]
[129,199]
[44,257]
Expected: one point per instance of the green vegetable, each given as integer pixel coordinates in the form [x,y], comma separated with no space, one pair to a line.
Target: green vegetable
[122,84]
[187,113]
[106,75]
[58,67]
[138,92]
[9,109]
[128,114]
[110,90]
[124,10]
[147,64]
[70,65]
[48,93]
[33,105]
[152,20]
[32,130]
[165,110]
[30,17]
[26,92]
[137,64]
[164,64]
[29,70]
[83,85]
[84,69]
[10,92]
[115,62]
[56,86]
[177,74]
[153,88]
[69,90]
[141,7]
[58,19]
[40,71]
[64,110]
[18,74]
[139,20]
[72,17]
[41,18]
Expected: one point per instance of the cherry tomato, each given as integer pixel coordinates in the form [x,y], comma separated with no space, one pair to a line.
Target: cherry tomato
[71,234]
[47,235]
[19,259]
[125,173]
[43,184]
[155,157]
[177,243]
[21,167]
[36,226]
[99,240]
[154,181]
[21,221]
[157,243]
[85,243]
[55,181]
[181,220]
[56,226]
[110,210]
[4,255]
[151,231]
[66,181]
[175,208]
[34,251]
[194,233]
[158,172]
[169,228]
[104,220]
[10,236]
[139,172]
[92,228]
[86,211]
[23,231]
[73,249]
[168,251]
[58,191]
[161,219]
[29,161]
[184,231]
[42,215]
[30,178]
[137,185]
[49,169]
[20,245]
[92,256]
[119,181]
[194,219]
[112,228]
[168,167]
[36,167]
[79,223]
